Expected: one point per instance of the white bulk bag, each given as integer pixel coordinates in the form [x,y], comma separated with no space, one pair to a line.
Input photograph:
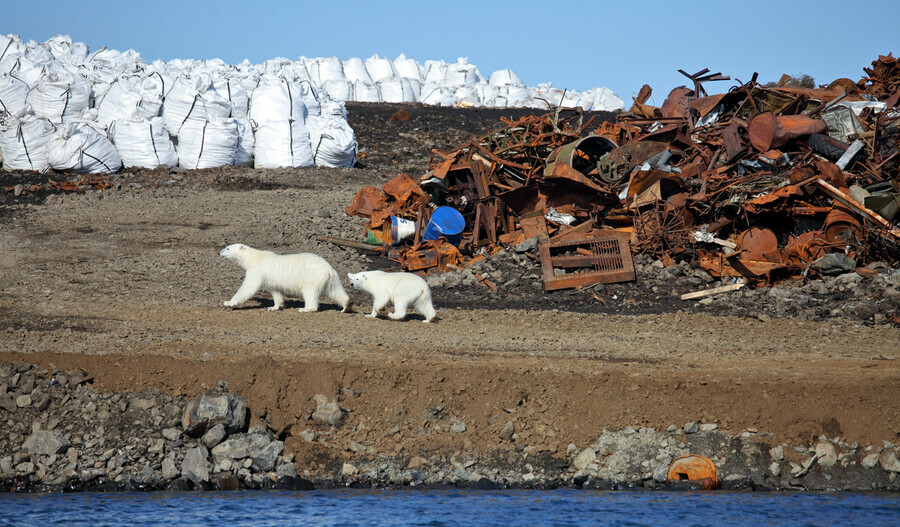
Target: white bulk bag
[339,89]
[380,68]
[62,45]
[605,100]
[355,70]
[332,140]
[505,78]
[329,69]
[59,96]
[518,97]
[10,45]
[12,95]
[435,71]
[310,97]
[23,143]
[408,68]
[208,144]
[282,143]
[244,155]
[143,143]
[437,95]
[461,73]
[277,100]
[129,97]
[413,86]
[365,92]
[393,90]
[334,107]
[467,96]
[232,90]
[487,94]
[78,147]
[193,99]
[25,70]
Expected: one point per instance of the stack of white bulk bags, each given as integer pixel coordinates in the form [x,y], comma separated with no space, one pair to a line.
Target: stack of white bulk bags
[193,99]
[23,142]
[209,143]
[143,143]
[278,114]
[78,147]
[275,105]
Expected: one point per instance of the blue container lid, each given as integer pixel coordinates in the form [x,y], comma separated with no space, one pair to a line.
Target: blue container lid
[448,220]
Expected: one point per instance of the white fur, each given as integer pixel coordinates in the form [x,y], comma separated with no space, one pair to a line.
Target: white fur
[303,275]
[402,289]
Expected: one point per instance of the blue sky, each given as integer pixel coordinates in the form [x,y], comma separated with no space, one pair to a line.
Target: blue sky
[577,45]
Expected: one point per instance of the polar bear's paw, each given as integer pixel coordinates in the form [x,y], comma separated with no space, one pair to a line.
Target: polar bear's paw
[274,308]
[307,309]
[372,315]
[229,303]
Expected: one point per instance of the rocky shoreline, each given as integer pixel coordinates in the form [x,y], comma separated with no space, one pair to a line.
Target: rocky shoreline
[64,435]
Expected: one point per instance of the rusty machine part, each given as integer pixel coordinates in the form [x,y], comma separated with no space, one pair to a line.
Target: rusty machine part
[586,261]
[693,468]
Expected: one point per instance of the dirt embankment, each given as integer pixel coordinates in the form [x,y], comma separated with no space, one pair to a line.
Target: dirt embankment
[125,284]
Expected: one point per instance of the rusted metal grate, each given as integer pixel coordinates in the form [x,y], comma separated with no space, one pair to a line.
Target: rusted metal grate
[587,261]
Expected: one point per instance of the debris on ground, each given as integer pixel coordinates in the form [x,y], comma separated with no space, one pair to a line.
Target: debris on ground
[757,185]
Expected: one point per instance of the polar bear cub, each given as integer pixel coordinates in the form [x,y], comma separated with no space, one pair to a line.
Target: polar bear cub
[403,289]
[303,275]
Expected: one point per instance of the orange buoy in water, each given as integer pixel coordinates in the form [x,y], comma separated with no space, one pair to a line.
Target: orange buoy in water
[693,468]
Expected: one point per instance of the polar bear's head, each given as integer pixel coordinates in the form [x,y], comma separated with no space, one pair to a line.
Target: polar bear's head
[233,251]
[357,279]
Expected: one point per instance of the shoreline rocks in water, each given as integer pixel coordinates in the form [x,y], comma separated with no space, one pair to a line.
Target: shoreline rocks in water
[67,436]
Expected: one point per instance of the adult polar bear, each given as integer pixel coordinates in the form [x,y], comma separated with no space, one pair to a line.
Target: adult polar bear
[305,275]
[403,289]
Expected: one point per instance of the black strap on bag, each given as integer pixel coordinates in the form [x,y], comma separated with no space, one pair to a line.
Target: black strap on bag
[95,159]
[202,143]
[189,112]
[66,104]
[8,44]
[153,142]
[228,85]
[21,137]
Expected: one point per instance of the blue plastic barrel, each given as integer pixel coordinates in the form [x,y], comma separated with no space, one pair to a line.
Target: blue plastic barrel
[446,222]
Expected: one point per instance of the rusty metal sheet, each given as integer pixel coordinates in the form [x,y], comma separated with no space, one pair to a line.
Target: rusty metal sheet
[768,131]
[433,254]
[367,200]
[756,243]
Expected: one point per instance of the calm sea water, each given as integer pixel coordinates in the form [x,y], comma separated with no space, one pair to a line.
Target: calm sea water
[452,507]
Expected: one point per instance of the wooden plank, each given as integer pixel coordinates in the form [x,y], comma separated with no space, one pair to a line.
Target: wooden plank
[713,291]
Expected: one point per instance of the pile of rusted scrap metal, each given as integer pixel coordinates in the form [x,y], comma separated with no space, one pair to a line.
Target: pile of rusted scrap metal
[761,182]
